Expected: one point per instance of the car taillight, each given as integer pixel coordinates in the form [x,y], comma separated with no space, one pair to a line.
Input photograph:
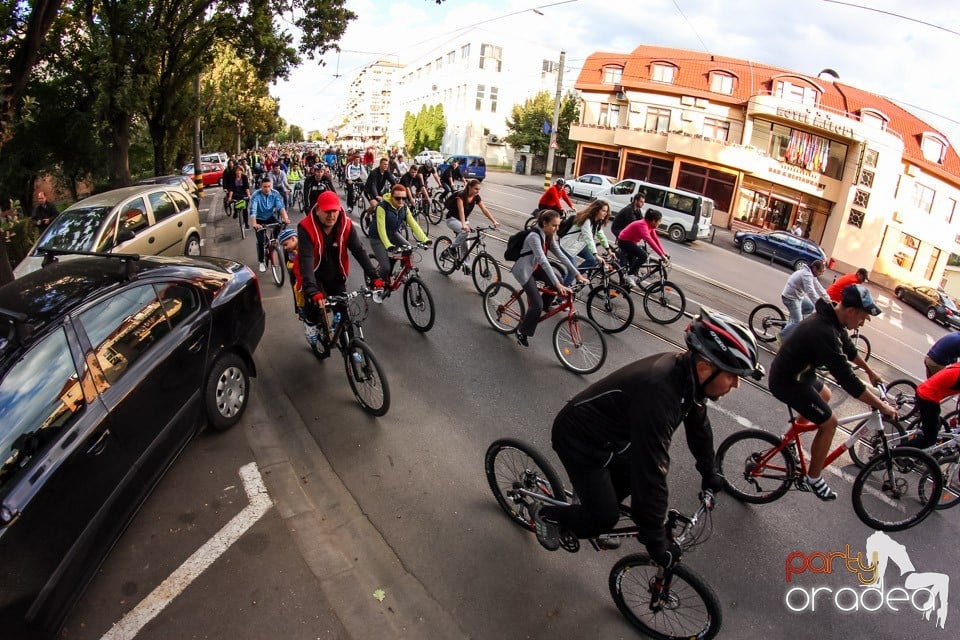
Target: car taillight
[947,312]
[256,281]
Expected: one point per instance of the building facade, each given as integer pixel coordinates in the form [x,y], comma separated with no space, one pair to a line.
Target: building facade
[874,185]
[367,112]
[478,78]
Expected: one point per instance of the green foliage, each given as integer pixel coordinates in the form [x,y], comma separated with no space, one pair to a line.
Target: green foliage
[425,130]
[525,124]
[18,236]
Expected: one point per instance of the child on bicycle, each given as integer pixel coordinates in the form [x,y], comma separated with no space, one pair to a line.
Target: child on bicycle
[289,243]
[532,264]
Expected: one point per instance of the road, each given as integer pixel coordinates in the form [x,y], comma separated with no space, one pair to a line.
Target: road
[421,523]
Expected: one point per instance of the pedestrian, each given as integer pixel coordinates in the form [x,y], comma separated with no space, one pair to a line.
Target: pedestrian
[43,211]
[797,229]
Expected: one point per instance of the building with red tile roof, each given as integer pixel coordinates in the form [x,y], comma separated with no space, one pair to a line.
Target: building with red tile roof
[873,184]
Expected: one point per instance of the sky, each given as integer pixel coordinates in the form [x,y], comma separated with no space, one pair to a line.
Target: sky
[881,46]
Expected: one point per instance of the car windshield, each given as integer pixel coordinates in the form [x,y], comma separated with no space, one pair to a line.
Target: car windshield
[74,229]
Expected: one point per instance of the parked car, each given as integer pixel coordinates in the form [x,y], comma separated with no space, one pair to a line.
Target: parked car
[108,367]
[936,304]
[780,246]
[470,166]
[433,156]
[148,219]
[211,174]
[184,182]
[589,184]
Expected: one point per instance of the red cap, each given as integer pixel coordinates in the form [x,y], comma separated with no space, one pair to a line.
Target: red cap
[328,201]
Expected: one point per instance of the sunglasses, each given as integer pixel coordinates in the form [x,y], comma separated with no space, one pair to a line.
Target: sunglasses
[400,198]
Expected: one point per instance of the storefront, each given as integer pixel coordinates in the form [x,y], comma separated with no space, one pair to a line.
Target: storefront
[772,206]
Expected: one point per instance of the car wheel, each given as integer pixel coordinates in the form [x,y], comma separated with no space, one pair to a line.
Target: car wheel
[932,314]
[799,264]
[567,188]
[227,392]
[677,234]
[192,247]
[749,246]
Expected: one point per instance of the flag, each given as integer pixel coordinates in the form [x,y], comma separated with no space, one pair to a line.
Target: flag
[546,127]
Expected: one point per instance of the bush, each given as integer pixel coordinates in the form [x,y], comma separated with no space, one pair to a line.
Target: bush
[19,237]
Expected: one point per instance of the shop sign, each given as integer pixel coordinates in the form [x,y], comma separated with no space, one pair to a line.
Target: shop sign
[798,176]
[817,120]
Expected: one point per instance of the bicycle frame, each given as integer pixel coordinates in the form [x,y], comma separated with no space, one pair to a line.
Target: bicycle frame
[872,422]
[474,239]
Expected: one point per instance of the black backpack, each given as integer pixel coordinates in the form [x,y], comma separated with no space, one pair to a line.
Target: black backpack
[565,226]
[514,250]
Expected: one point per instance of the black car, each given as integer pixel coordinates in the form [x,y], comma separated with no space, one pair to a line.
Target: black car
[108,367]
[936,304]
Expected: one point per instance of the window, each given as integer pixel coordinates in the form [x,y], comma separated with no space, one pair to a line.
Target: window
[493,99]
[800,148]
[922,197]
[795,93]
[648,169]
[123,328]
[716,129]
[179,301]
[713,183]
[181,201]
[873,120]
[438,63]
[550,66]
[465,52]
[856,218]
[870,158]
[657,120]
[933,148]
[866,178]
[662,72]
[490,57]
[612,75]
[40,397]
[625,188]
[133,217]
[162,205]
[480,91]
[426,68]
[721,83]
[949,208]
[906,253]
[609,115]
[861,198]
[451,57]
[932,264]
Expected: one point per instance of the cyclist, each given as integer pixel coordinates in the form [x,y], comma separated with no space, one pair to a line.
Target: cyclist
[459,207]
[944,351]
[295,178]
[822,339]
[630,213]
[857,277]
[532,264]
[413,181]
[428,170]
[392,213]
[288,243]
[554,196]
[614,437]
[800,292]
[450,176]
[265,205]
[584,235]
[280,184]
[378,182]
[313,187]
[355,175]
[324,236]
[628,242]
[239,188]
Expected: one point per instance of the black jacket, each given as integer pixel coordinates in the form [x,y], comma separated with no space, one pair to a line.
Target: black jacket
[633,414]
[377,183]
[818,341]
[624,217]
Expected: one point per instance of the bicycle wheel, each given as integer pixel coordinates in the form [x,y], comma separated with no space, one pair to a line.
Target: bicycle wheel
[437,209]
[902,394]
[503,307]
[950,494]
[366,223]
[886,493]
[242,219]
[863,345]
[869,444]
[579,344]
[423,221]
[689,608]
[530,223]
[485,271]
[277,267]
[418,303]
[610,307]
[753,469]
[664,302]
[366,378]
[511,466]
[766,321]
[446,262]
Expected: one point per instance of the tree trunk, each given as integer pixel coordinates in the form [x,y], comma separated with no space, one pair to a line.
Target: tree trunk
[6,272]
[159,136]
[118,150]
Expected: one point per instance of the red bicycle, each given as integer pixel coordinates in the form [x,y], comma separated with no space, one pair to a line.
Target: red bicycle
[577,342]
[417,301]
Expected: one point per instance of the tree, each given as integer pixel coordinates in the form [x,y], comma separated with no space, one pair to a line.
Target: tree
[424,130]
[526,124]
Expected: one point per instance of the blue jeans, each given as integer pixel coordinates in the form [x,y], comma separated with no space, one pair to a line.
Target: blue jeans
[798,310]
[589,261]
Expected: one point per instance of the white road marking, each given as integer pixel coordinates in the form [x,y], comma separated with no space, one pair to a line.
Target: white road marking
[131,624]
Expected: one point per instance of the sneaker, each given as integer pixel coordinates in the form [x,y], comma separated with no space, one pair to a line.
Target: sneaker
[548,533]
[311,332]
[522,339]
[263,267]
[631,281]
[819,488]
[607,543]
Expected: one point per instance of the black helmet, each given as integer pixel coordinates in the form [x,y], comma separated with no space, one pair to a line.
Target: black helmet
[725,343]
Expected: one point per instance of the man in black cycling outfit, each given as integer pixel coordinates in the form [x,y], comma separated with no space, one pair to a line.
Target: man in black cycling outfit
[822,339]
[379,181]
[614,437]
[413,181]
[450,176]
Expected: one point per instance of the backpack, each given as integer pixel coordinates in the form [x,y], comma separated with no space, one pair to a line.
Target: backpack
[565,225]
[514,250]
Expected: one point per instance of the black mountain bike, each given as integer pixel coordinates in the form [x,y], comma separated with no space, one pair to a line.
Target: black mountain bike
[485,270]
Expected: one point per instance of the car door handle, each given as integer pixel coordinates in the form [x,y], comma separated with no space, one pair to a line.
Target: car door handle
[180,224]
[196,346]
[97,447]
[151,239]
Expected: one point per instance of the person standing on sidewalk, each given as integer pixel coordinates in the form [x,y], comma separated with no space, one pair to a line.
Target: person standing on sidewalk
[43,212]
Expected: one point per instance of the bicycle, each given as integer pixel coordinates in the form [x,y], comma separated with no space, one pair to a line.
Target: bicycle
[608,303]
[484,271]
[438,207]
[577,342]
[296,197]
[417,300]
[420,209]
[766,321]
[659,602]
[663,301]
[272,253]
[366,377]
[758,468]
[355,189]
[535,216]
[238,209]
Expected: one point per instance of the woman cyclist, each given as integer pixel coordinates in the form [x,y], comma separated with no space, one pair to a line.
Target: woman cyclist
[583,237]
[459,207]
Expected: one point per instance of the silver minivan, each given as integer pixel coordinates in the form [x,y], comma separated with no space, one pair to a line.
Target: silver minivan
[686,215]
[157,219]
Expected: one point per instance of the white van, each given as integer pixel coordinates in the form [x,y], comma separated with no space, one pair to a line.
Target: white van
[686,215]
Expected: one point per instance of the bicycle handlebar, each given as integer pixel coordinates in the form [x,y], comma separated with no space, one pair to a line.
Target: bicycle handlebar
[347,297]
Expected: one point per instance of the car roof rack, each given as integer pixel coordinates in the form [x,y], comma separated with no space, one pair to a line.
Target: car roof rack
[128,261]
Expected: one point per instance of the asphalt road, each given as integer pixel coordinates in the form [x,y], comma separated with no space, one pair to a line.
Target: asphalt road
[401,504]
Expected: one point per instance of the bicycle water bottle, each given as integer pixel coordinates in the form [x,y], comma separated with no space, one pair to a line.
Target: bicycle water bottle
[336,322]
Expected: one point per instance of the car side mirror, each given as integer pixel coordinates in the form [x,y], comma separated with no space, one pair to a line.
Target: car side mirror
[124,235]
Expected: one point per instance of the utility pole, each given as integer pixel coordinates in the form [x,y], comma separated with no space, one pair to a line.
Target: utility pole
[548,176]
[197,168]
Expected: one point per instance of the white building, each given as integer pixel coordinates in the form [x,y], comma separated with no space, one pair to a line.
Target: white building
[367,110]
[478,78]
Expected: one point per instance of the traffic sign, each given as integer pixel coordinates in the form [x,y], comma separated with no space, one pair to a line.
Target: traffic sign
[553,145]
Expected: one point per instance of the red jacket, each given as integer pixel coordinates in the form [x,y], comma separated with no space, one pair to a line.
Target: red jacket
[309,224]
[835,289]
[553,196]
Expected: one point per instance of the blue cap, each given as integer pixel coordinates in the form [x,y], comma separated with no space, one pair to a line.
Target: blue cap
[857,296]
[285,235]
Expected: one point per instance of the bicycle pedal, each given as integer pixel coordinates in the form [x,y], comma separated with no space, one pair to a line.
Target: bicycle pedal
[569,542]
